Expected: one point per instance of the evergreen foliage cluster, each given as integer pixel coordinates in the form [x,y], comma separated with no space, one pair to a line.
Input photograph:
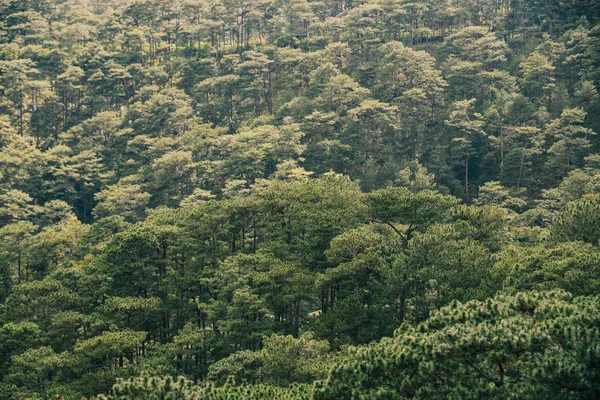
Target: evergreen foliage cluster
[299,199]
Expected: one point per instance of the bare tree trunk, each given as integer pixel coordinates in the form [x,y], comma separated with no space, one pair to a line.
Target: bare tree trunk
[467,171]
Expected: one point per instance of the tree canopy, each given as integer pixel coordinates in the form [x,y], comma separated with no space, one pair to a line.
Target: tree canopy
[299,199]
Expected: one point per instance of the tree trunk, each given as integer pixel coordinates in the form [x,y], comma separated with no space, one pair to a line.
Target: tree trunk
[521,168]
[467,171]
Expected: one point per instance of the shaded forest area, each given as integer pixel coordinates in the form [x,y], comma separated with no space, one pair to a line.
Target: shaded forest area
[296,199]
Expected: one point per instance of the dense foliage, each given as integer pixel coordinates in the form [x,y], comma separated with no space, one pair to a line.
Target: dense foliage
[296,199]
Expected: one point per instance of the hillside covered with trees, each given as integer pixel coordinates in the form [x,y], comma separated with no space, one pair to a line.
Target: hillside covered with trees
[299,199]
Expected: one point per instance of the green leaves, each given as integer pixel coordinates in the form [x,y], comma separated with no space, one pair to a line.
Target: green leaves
[569,138]
[571,266]
[579,222]
[111,344]
[155,388]
[283,361]
[127,201]
[414,210]
[244,188]
[496,348]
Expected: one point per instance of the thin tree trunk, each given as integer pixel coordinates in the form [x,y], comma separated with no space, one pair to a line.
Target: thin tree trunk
[467,172]
[521,168]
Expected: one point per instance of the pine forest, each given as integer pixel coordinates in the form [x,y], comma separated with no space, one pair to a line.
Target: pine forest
[299,199]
